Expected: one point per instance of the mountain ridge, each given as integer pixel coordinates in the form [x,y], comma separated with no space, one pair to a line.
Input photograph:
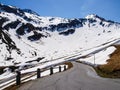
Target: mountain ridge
[35,36]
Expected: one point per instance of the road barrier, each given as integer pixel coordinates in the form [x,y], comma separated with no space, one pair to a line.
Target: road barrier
[51,70]
[39,71]
[65,67]
[59,68]
[18,78]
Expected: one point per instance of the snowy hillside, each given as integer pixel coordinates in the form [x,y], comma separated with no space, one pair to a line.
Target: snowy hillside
[28,38]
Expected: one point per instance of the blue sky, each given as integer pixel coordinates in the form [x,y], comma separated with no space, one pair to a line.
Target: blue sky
[109,9]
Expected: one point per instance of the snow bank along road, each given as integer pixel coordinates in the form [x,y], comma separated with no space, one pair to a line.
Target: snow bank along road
[80,77]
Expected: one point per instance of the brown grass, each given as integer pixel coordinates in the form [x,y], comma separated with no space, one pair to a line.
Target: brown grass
[70,65]
[112,68]
[12,87]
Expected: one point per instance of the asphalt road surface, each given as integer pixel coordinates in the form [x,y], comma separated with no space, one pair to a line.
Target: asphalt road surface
[80,77]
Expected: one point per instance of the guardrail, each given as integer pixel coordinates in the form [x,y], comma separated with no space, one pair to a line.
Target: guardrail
[39,71]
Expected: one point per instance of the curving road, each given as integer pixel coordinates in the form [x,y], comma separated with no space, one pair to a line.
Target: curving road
[80,77]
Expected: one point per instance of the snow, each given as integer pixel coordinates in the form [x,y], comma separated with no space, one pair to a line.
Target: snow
[56,46]
[7,74]
[94,17]
[42,66]
[101,57]
[91,16]
[45,21]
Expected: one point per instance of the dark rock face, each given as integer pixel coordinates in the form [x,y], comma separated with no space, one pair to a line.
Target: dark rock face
[30,11]
[12,25]
[8,41]
[70,31]
[62,26]
[25,28]
[17,11]
[36,36]
[2,20]
[9,9]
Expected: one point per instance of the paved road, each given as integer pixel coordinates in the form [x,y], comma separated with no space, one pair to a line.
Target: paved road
[80,77]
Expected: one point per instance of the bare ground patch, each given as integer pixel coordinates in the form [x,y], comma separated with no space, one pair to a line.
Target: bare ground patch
[112,68]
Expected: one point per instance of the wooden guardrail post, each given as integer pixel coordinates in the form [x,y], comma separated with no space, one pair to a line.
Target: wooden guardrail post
[38,73]
[51,70]
[59,68]
[18,78]
[64,67]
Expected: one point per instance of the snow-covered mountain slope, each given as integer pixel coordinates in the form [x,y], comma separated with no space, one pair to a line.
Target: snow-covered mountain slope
[26,36]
